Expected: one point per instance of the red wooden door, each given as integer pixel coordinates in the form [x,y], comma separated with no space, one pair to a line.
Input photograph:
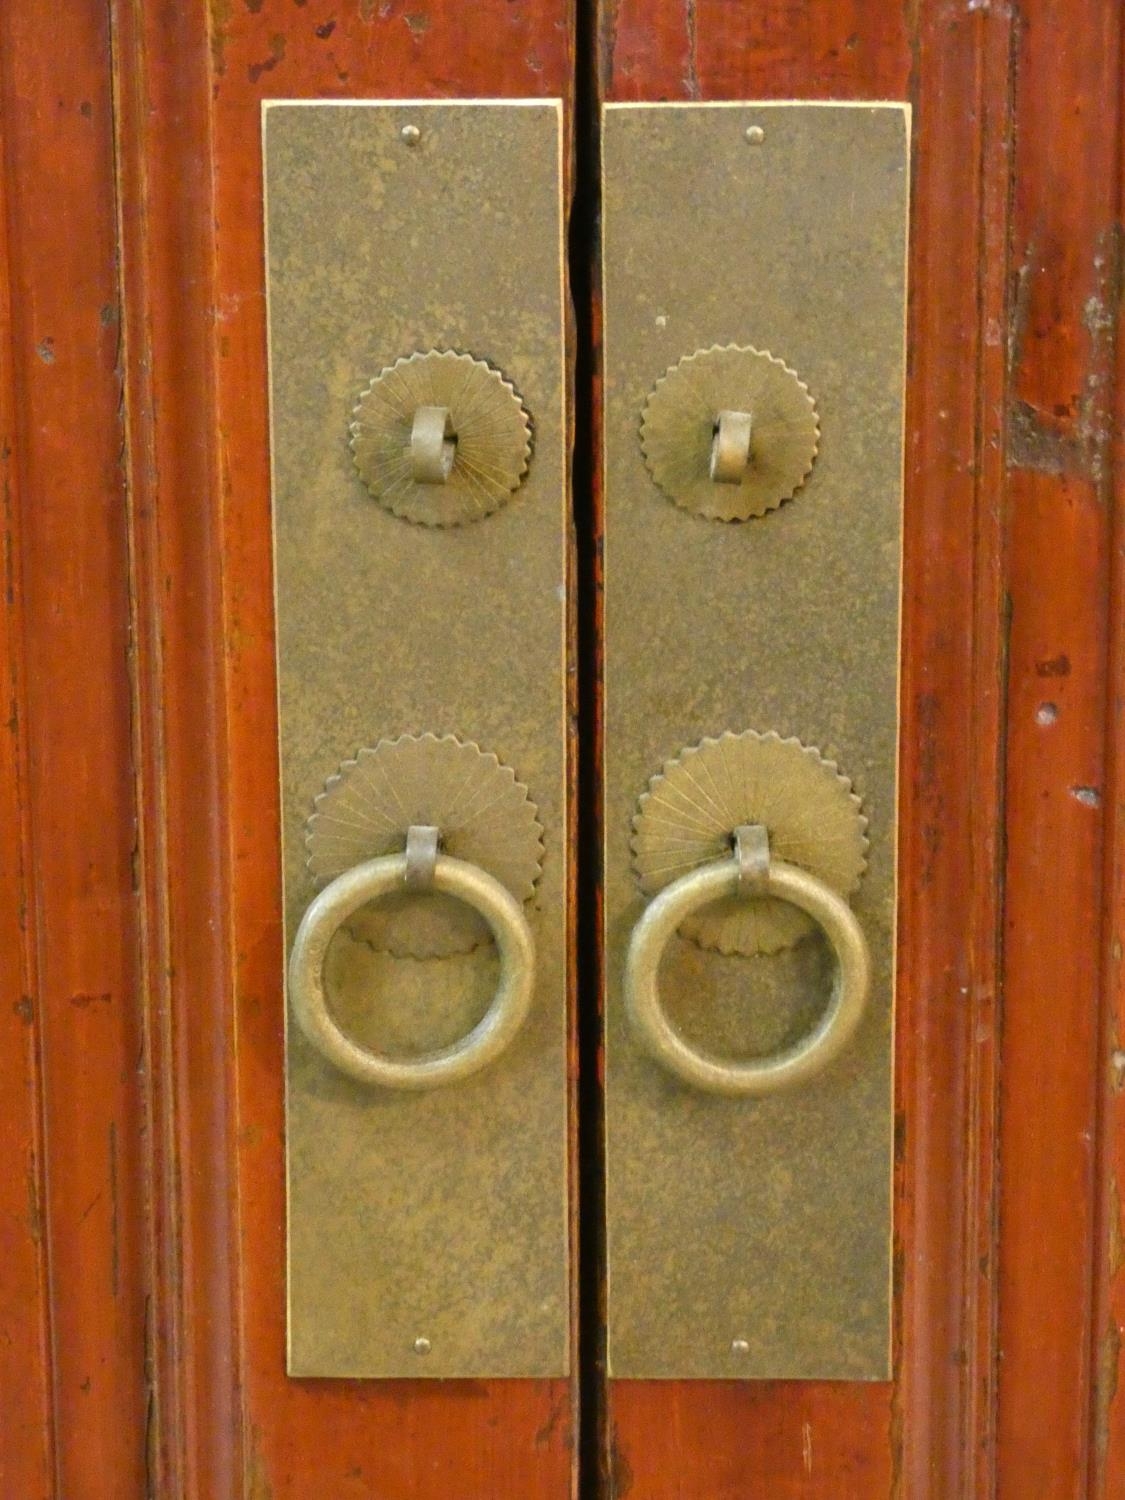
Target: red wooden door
[142,1303]
[1007,1338]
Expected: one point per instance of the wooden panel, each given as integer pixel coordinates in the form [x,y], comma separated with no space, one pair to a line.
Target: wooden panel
[73,1381]
[975,551]
[191,91]
[25,1377]
[1107,1434]
[1065,278]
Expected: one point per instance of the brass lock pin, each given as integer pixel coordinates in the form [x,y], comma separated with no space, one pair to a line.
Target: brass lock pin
[696,429]
[730,447]
[441,438]
[433,445]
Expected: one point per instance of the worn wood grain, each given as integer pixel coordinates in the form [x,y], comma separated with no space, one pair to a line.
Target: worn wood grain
[1107,1426]
[954,643]
[1063,314]
[162,106]
[25,1375]
[77,1340]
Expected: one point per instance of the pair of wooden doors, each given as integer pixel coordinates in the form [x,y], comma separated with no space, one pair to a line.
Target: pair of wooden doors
[142,1203]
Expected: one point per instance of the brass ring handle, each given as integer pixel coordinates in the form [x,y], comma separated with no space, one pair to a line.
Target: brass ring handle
[479,1047]
[779,1070]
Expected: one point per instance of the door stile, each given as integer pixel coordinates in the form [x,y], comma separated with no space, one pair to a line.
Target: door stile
[25,1353]
[202,254]
[952,853]
[73,1373]
[1065,258]
[161,62]
[802,1437]
[1107,1426]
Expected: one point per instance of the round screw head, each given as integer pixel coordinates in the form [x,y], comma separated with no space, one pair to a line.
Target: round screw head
[410,135]
[739,1346]
[755,135]
[422,1346]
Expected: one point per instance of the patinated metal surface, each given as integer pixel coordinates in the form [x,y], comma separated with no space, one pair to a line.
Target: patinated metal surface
[427,1232]
[752,1238]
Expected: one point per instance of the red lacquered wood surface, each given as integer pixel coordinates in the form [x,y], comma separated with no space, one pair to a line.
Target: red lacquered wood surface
[1015,164]
[73,1373]
[166,238]
[231,1422]
[1107,1428]
[1065,302]
[141,1201]
[954,632]
[25,1381]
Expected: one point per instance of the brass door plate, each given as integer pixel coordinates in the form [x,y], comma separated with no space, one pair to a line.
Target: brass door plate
[428,1231]
[751,1238]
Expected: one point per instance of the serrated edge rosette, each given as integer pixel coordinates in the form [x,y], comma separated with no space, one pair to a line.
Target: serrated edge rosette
[493,428]
[484,815]
[678,422]
[687,817]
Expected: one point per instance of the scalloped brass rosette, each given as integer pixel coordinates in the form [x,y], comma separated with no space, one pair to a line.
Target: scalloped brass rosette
[761,399]
[483,444]
[483,815]
[688,816]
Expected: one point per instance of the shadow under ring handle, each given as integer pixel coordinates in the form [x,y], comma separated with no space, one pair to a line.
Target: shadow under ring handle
[778,1070]
[479,1047]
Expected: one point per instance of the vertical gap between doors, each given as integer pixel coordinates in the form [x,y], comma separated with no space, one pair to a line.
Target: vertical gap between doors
[584,251]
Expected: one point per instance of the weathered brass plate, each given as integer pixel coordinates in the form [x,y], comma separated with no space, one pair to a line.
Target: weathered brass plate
[752,1238]
[427,1231]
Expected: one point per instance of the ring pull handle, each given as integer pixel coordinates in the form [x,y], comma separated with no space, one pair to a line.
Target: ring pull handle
[747,872]
[421,865]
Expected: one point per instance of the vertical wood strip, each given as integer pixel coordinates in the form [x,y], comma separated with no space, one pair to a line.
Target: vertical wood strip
[1107,1416]
[952,751]
[65,436]
[162,99]
[26,1444]
[1066,290]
